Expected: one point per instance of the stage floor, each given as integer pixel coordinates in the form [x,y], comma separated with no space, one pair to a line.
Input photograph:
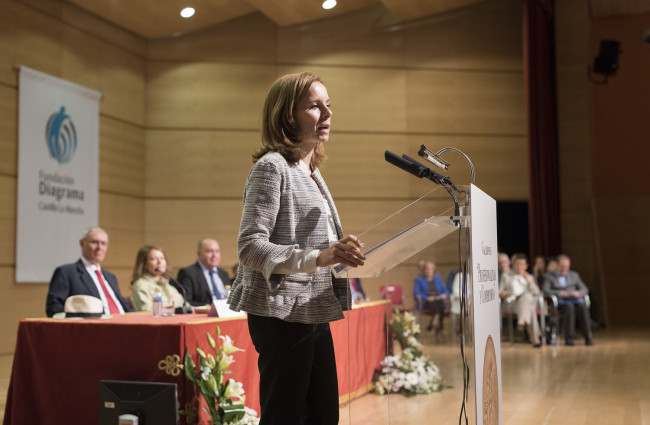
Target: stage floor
[607,384]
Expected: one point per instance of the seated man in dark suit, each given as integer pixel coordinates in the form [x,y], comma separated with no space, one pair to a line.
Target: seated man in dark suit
[570,291]
[204,281]
[85,277]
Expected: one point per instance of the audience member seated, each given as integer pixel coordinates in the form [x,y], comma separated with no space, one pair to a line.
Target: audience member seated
[519,290]
[504,264]
[86,277]
[450,278]
[356,291]
[539,270]
[454,302]
[422,265]
[570,290]
[149,275]
[551,265]
[431,295]
[204,281]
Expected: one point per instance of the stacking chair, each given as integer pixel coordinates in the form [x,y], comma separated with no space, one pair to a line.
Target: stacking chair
[394,294]
[554,325]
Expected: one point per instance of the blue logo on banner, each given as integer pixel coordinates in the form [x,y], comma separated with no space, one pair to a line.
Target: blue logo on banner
[61,136]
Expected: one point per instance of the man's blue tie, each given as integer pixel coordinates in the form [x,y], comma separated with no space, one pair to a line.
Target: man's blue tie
[215,290]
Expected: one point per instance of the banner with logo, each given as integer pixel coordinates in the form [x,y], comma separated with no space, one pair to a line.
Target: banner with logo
[58,172]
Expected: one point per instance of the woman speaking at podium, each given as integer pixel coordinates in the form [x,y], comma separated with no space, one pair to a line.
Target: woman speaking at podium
[289,236]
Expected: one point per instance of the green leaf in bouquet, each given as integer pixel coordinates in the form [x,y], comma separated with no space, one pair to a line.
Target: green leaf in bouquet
[233,413]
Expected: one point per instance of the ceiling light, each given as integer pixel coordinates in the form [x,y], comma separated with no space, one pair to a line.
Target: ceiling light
[329,4]
[189,11]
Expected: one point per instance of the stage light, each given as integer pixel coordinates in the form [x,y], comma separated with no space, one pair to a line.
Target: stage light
[329,4]
[187,12]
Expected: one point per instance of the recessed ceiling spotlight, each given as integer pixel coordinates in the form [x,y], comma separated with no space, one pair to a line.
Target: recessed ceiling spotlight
[329,4]
[188,12]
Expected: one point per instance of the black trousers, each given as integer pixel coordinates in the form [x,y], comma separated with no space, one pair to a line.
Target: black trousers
[298,381]
[435,308]
[571,311]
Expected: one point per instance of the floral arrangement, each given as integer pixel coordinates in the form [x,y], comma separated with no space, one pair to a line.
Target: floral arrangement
[224,399]
[410,372]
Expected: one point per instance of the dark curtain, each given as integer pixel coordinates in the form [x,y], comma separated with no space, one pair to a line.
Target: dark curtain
[539,71]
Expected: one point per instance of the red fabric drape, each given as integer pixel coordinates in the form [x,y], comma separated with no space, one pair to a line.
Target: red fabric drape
[539,70]
[59,363]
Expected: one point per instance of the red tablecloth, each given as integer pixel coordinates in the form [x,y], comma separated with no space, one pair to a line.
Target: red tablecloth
[58,363]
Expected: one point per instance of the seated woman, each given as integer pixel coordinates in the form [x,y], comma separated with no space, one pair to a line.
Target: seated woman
[539,270]
[430,294]
[519,290]
[148,274]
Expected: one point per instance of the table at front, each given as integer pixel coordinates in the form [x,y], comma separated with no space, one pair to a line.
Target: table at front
[58,363]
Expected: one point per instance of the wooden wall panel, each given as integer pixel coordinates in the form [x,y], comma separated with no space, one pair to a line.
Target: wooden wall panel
[249,39]
[466,103]
[16,303]
[205,164]
[98,27]
[357,39]
[122,218]
[73,16]
[624,227]
[123,85]
[8,221]
[45,44]
[124,274]
[38,39]
[117,74]
[486,36]
[153,19]
[210,95]
[178,225]
[356,168]
[121,157]
[368,100]
[404,10]
[500,161]
[8,131]
[7,48]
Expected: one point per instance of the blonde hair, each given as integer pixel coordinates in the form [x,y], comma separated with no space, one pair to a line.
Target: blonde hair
[279,127]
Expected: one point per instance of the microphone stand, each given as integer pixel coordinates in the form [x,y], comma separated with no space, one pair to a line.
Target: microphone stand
[184,309]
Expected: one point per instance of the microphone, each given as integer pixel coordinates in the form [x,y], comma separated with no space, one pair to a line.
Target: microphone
[412,166]
[184,309]
[405,164]
[433,158]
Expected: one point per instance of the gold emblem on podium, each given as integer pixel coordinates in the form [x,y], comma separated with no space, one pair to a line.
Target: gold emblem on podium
[490,385]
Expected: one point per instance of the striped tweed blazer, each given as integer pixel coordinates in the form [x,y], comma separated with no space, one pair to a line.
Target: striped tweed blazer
[283,210]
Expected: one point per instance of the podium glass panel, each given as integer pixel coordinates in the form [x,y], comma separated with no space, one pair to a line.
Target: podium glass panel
[402,235]
[389,246]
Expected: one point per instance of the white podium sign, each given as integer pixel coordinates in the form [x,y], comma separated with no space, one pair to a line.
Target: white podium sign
[485,301]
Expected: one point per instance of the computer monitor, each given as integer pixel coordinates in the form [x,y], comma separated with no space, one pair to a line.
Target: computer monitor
[154,403]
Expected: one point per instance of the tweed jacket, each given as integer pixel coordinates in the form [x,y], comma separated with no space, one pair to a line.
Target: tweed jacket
[283,210]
